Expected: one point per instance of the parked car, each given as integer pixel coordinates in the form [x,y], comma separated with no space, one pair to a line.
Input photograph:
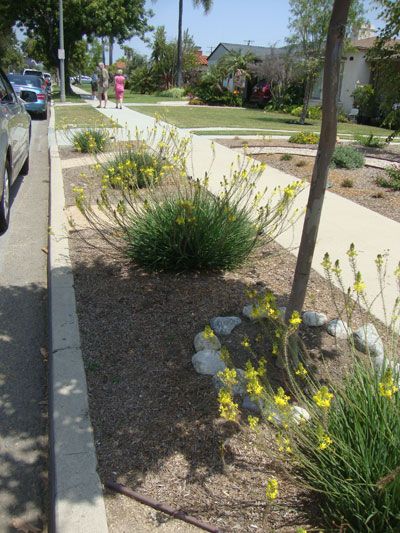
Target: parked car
[261,94]
[33,91]
[15,134]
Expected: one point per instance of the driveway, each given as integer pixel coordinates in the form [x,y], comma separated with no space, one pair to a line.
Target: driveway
[23,341]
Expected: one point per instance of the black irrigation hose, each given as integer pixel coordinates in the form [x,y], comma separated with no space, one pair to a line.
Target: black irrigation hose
[161,507]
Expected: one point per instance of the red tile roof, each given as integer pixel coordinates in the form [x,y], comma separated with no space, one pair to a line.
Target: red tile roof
[201,59]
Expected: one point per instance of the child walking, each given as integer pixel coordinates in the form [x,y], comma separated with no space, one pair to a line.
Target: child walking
[119,82]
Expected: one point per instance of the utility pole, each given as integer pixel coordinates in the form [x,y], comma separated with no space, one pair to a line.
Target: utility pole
[61,52]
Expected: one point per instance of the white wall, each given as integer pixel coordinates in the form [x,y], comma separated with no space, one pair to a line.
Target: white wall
[355,70]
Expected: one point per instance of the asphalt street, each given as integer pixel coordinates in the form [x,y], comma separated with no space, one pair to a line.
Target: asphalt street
[23,346]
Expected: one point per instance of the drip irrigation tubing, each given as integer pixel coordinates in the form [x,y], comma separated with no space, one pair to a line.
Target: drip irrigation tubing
[181,515]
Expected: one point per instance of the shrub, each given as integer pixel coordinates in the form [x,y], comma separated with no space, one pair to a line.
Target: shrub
[286,157]
[347,157]
[173,92]
[342,117]
[314,112]
[370,141]
[133,167]
[211,92]
[366,101]
[301,163]
[304,137]
[347,183]
[196,101]
[90,141]
[392,179]
[175,223]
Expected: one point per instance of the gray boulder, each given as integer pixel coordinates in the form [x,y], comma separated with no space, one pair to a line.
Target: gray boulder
[237,390]
[367,340]
[224,325]
[203,343]
[208,362]
[255,407]
[339,329]
[314,319]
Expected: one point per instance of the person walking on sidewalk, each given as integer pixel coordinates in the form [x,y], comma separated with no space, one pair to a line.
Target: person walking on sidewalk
[103,85]
[119,82]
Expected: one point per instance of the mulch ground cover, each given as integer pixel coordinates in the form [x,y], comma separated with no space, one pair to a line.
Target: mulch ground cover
[156,422]
[363,189]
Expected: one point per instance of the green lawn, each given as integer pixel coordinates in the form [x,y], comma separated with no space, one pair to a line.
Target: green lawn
[203,117]
[133,98]
[55,95]
[81,117]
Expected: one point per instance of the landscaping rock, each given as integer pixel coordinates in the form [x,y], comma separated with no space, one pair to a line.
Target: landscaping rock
[224,325]
[339,329]
[208,362]
[248,404]
[203,343]
[367,340]
[248,310]
[300,414]
[282,311]
[239,389]
[314,319]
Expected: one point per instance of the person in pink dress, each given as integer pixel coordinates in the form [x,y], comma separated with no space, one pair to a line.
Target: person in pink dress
[119,84]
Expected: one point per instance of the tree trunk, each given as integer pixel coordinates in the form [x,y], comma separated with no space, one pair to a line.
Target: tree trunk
[110,51]
[333,55]
[179,76]
[306,100]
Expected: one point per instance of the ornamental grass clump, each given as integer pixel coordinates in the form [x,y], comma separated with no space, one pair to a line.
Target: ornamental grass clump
[304,137]
[157,215]
[134,166]
[391,180]
[90,141]
[340,437]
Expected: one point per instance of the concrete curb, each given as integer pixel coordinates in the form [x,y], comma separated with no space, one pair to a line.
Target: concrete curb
[77,504]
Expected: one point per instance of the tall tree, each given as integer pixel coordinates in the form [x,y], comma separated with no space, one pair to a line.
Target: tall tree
[206,5]
[309,23]
[333,57]
[118,18]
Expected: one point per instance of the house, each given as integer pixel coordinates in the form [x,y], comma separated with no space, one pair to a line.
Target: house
[201,59]
[259,52]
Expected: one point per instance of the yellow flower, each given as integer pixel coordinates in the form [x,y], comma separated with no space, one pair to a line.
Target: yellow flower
[324,442]
[283,444]
[323,398]
[387,388]
[253,421]
[295,319]
[271,492]
[253,385]
[228,409]
[208,332]
[397,271]
[301,371]
[359,285]
[228,376]
[180,220]
[280,398]
[245,342]
[351,252]
[326,263]
[225,356]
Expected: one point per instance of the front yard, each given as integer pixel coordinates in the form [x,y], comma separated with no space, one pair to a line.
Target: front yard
[82,116]
[206,117]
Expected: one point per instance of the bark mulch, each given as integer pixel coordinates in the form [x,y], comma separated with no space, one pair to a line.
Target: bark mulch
[363,190]
[156,423]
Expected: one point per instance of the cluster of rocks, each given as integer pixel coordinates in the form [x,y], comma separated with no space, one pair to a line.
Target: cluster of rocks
[207,359]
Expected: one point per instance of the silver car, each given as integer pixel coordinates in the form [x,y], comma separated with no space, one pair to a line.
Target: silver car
[15,134]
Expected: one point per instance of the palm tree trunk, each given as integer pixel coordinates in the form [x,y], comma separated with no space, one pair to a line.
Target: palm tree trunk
[333,55]
[179,76]
[110,50]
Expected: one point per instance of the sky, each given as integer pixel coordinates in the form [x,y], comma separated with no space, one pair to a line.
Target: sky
[262,22]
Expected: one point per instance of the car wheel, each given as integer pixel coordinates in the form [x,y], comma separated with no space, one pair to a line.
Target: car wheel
[44,115]
[5,201]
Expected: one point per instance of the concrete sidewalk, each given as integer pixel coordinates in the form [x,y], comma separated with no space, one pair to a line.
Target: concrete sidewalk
[343,222]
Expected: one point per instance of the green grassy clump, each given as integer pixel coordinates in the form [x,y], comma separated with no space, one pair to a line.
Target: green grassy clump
[392,179]
[90,141]
[195,231]
[304,137]
[357,472]
[347,157]
[286,157]
[347,183]
[133,168]
[370,141]
[173,92]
